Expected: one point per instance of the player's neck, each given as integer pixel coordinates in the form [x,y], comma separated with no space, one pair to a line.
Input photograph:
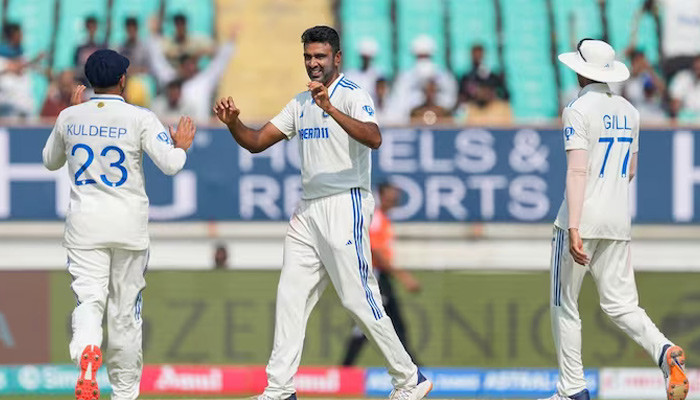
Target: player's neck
[332,79]
[109,91]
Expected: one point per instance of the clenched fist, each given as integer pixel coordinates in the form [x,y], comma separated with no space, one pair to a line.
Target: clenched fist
[319,92]
[226,110]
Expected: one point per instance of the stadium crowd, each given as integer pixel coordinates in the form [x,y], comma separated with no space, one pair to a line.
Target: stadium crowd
[178,74]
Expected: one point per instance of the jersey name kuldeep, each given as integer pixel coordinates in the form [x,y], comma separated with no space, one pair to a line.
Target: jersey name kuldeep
[113,132]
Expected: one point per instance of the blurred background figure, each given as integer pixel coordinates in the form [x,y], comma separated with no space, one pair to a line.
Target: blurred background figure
[83,51]
[220,256]
[680,33]
[645,89]
[169,105]
[430,113]
[485,108]
[409,87]
[381,237]
[16,96]
[133,48]
[198,85]
[480,74]
[366,77]
[59,95]
[387,114]
[184,44]
[685,93]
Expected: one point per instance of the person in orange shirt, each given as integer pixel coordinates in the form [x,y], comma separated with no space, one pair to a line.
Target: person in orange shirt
[381,237]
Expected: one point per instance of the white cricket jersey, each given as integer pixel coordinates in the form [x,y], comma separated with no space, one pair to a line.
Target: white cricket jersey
[331,161]
[607,126]
[103,140]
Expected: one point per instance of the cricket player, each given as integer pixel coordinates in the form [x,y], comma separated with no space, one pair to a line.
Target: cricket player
[327,237]
[102,141]
[601,137]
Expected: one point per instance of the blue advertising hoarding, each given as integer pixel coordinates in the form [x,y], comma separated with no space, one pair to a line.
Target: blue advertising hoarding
[446,175]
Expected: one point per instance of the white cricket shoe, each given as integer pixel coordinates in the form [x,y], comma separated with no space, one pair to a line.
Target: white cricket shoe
[266,397]
[422,388]
[673,367]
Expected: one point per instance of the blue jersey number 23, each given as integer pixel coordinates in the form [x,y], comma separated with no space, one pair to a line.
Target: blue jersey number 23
[91,156]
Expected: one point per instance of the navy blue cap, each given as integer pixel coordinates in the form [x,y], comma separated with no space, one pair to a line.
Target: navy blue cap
[105,67]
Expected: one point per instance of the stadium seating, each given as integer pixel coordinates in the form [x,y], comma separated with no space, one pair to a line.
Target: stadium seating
[200,16]
[362,19]
[71,28]
[471,22]
[529,71]
[621,14]
[414,18]
[142,10]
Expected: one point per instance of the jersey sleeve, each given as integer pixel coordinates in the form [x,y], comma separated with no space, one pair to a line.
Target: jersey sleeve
[284,121]
[575,130]
[360,106]
[157,143]
[54,153]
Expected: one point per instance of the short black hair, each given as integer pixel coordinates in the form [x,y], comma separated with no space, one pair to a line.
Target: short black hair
[131,21]
[91,20]
[478,46]
[10,29]
[322,34]
[636,53]
[179,18]
[175,83]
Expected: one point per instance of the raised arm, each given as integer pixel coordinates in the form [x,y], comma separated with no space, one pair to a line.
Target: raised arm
[252,140]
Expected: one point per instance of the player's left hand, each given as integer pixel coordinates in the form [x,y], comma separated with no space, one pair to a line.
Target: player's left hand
[77,96]
[576,247]
[319,92]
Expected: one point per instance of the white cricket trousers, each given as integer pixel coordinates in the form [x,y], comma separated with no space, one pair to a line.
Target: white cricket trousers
[328,239]
[612,272]
[113,278]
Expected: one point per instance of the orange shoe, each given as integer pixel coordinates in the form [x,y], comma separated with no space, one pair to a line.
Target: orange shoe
[90,361]
[673,367]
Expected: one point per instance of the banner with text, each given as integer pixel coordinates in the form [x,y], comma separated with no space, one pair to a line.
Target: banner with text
[470,174]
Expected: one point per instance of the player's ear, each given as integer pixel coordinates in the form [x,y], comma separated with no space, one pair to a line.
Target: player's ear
[338,58]
[122,83]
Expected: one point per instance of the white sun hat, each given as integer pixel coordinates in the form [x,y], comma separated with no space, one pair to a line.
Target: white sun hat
[595,59]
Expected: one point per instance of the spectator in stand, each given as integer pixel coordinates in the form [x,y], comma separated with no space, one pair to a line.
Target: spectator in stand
[480,74]
[650,108]
[184,44]
[86,49]
[366,77]
[198,86]
[59,95]
[409,86]
[134,49]
[430,113]
[16,97]
[641,72]
[485,108]
[386,112]
[685,93]
[680,32]
[169,106]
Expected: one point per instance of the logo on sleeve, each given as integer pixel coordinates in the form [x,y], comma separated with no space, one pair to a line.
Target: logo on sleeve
[569,132]
[163,137]
[369,110]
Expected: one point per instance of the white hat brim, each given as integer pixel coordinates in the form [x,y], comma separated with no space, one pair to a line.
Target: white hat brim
[617,72]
